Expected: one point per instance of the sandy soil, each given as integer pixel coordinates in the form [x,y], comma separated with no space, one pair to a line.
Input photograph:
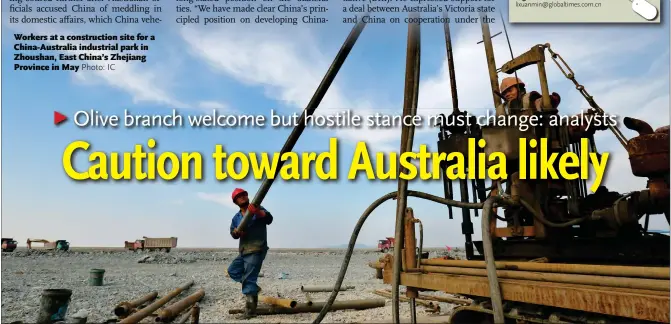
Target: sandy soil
[26,273]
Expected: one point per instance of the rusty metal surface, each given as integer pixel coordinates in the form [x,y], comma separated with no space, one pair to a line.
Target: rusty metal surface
[317,307]
[125,308]
[434,307]
[648,152]
[629,303]
[641,127]
[281,302]
[634,283]
[169,313]
[410,242]
[151,308]
[659,188]
[195,314]
[479,314]
[533,56]
[376,264]
[588,269]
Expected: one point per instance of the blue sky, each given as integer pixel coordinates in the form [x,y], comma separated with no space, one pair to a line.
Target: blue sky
[253,69]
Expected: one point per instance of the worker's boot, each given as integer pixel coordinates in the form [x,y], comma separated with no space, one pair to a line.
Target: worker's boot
[250,306]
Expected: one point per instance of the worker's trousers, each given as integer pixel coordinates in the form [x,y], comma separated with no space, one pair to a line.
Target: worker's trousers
[245,270]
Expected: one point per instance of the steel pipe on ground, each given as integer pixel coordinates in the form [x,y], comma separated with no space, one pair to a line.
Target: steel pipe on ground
[633,283]
[125,308]
[323,288]
[184,317]
[308,299]
[450,300]
[317,307]
[433,306]
[151,308]
[169,313]
[282,302]
[587,269]
[195,314]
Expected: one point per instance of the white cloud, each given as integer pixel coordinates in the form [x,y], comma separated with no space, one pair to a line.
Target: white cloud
[214,105]
[271,60]
[218,198]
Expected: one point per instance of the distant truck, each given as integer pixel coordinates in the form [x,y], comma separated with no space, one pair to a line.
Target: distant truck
[59,245]
[8,244]
[163,244]
[386,245]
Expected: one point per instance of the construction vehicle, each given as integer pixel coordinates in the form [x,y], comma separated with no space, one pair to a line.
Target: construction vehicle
[385,245]
[58,245]
[162,244]
[8,244]
[565,254]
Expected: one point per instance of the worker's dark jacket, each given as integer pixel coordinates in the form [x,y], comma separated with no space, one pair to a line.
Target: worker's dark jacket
[255,238]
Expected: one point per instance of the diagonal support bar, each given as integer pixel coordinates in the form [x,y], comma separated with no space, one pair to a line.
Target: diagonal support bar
[309,111]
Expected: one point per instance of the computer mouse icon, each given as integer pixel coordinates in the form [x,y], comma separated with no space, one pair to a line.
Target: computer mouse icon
[644,9]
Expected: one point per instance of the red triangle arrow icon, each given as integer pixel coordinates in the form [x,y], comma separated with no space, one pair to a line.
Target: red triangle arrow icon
[59,118]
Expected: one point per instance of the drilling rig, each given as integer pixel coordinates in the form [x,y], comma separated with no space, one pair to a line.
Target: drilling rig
[565,255]
[597,263]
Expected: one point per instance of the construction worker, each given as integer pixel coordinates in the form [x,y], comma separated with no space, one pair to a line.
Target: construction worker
[253,248]
[517,100]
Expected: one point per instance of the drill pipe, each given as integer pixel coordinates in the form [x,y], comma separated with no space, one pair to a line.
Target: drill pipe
[195,314]
[619,282]
[308,299]
[125,308]
[410,99]
[317,307]
[433,306]
[185,316]
[281,302]
[323,288]
[449,300]
[169,313]
[586,269]
[151,308]
[316,99]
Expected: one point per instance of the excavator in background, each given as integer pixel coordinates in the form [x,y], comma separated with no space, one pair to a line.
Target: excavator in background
[58,245]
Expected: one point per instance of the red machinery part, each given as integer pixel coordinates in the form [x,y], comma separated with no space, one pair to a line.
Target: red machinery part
[648,152]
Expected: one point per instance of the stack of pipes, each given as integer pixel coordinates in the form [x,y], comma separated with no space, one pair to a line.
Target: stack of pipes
[648,278]
[134,312]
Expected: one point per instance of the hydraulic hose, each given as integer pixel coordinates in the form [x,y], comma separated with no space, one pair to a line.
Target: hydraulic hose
[539,215]
[494,288]
[359,225]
